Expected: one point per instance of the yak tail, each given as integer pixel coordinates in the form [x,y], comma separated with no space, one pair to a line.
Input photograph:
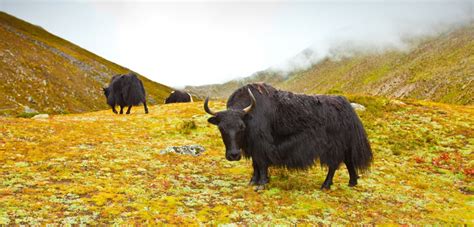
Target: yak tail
[361,153]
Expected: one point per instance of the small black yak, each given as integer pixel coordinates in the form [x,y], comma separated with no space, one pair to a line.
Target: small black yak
[283,129]
[179,96]
[125,90]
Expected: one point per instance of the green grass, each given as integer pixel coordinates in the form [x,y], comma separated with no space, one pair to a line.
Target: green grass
[376,74]
[26,115]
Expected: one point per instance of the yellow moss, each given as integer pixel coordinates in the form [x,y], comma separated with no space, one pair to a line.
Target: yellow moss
[103,168]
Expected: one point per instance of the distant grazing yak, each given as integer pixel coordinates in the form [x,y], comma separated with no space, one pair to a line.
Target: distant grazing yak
[179,96]
[283,129]
[125,90]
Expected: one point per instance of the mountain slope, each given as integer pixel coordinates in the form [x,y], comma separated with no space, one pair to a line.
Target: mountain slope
[41,71]
[225,89]
[440,69]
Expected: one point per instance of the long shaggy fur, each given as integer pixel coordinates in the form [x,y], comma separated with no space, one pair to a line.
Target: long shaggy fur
[294,130]
[178,96]
[125,90]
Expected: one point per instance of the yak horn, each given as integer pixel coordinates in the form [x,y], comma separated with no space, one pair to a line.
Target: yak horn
[206,107]
[252,104]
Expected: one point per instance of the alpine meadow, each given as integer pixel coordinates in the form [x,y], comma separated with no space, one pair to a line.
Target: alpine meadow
[66,158]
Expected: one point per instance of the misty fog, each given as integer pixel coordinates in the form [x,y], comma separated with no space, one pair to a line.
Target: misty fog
[195,43]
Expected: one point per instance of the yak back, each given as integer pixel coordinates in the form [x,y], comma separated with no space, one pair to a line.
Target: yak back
[178,96]
[126,90]
[294,130]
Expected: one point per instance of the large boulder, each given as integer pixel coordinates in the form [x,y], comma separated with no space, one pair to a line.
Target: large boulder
[194,150]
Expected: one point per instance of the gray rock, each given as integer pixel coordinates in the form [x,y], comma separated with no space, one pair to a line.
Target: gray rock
[31,100]
[194,150]
[357,106]
[41,116]
[27,109]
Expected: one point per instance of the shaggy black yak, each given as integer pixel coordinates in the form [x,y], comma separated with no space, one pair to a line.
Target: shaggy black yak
[283,129]
[178,96]
[125,90]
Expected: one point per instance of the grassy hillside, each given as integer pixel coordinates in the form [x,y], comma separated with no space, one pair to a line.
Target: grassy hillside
[225,89]
[423,171]
[438,68]
[49,74]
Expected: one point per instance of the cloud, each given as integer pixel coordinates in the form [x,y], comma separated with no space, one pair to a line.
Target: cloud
[195,43]
[375,28]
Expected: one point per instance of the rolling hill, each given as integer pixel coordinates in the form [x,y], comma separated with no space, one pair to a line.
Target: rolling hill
[42,72]
[438,68]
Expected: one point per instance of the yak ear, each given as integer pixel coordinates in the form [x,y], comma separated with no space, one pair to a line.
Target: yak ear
[104,89]
[213,120]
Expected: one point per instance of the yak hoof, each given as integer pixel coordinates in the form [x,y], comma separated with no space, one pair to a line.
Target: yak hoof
[326,187]
[253,182]
[115,112]
[128,112]
[352,184]
[146,112]
[259,187]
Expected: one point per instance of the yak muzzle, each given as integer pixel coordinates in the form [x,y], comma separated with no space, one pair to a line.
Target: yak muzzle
[233,155]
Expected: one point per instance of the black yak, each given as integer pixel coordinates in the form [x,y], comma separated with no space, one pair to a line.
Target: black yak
[178,96]
[125,90]
[283,129]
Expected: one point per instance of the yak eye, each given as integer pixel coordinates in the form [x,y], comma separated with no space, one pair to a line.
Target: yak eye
[242,126]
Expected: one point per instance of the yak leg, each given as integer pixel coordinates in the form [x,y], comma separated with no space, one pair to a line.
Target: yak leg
[129,108]
[146,108]
[328,182]
[255,175]
[263,174]
[352,173]
[121,109]
[114,110]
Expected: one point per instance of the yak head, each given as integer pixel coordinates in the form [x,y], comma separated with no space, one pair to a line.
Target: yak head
[106,91]
[232,127]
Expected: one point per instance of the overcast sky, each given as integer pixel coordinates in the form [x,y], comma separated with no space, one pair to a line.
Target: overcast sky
[193,43]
